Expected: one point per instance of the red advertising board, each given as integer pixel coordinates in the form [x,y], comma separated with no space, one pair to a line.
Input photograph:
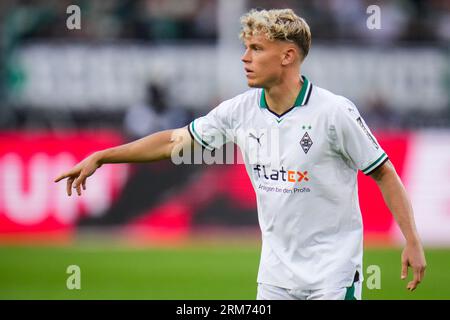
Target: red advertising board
[30,202]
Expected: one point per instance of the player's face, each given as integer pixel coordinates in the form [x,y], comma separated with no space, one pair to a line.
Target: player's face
[262,61]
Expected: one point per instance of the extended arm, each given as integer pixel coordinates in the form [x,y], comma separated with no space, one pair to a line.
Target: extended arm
[397,200]
[154,147]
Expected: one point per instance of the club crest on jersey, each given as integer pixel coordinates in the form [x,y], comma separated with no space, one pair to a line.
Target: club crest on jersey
[306,142]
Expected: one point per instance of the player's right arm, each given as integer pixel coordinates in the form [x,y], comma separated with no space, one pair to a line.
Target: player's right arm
[154,147]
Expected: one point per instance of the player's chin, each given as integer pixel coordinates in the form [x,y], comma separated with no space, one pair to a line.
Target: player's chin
[252,83]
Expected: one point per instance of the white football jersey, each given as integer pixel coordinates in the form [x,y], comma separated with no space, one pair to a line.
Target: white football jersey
[303,165]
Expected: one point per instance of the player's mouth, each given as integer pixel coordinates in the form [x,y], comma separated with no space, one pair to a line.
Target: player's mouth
[249,72]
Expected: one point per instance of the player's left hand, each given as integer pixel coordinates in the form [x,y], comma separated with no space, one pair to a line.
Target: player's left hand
[413,256]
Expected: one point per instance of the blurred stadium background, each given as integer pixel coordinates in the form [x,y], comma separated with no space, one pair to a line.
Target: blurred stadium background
[160,231]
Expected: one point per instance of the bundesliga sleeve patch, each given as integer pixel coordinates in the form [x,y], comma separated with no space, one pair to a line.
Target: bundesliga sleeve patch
[361,124]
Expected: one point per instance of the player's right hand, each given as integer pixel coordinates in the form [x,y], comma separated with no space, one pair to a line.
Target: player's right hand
[79,173]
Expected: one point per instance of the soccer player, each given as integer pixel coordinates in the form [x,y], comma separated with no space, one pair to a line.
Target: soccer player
[307,200]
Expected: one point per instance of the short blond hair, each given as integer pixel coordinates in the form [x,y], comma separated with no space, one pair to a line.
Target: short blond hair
[277,24]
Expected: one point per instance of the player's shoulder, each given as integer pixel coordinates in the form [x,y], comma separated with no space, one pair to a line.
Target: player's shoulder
[241,104]
[333,102]
[248,97]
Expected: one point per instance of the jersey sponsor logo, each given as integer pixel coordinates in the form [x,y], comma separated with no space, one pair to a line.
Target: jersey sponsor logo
[280,174]
[306,142]
[361,124]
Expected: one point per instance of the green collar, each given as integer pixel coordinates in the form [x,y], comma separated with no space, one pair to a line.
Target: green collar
[302,97]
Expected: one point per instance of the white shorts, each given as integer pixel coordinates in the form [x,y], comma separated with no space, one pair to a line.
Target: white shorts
[269,292]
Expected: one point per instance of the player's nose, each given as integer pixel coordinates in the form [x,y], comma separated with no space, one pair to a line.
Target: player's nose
[246,56]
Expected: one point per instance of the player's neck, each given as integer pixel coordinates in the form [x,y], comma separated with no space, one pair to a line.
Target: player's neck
[281,97]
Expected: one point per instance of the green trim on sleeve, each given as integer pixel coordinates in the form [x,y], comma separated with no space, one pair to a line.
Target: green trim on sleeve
[375,164]
[198,138]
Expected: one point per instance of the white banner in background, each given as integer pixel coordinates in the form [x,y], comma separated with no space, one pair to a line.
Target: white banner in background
[427,179]
[115,76]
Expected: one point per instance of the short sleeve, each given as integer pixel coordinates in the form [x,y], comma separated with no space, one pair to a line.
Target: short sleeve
[214,129]
[355,140]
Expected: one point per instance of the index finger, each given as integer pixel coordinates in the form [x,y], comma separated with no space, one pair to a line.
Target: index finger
[64,175]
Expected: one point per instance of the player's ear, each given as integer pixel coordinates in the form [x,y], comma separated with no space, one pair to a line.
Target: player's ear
[290,55]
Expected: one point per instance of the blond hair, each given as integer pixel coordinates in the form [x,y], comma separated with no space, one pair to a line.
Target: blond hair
[277,24]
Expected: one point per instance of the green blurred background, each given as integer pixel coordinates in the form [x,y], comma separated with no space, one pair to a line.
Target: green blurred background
[194,271]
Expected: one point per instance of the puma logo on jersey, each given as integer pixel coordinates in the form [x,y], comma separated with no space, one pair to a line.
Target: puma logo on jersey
[251,135]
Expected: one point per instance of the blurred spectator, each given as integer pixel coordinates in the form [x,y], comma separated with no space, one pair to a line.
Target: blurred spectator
[417,22]
[153,115]
[141,120]
[380,116]
[393,25]
[441,12]
[139,19]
